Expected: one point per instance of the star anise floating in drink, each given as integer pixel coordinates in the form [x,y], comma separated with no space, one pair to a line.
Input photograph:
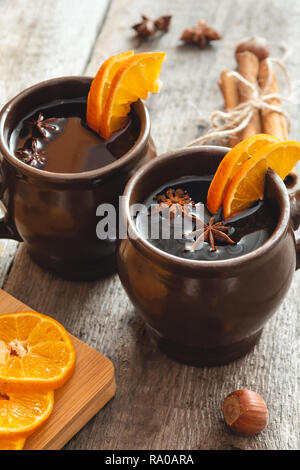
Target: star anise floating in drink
[148,27]
[200,35]
[42,125]
[31,155]
[212,232]
[178,202]
[174,201]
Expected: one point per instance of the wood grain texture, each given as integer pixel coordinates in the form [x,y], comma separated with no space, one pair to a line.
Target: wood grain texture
[90,388]
[45,39]
[161,404]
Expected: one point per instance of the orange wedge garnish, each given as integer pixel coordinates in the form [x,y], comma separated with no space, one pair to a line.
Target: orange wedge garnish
[36,353]
[12,444]
[282,156]
[230,164]
[100,86]
[247,185]
[136,77]
[22,413]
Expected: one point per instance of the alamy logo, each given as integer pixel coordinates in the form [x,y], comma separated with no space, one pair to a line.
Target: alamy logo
[149,222]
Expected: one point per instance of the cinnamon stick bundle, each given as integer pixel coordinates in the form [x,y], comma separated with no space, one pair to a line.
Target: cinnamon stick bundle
[253,65]
[273,122]
[248,67]
[235,92]
[229,89]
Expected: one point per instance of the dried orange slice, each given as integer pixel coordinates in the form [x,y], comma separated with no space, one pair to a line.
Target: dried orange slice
[230,164]
[100,86]
[36,353]
[136,77]
[12,444]
[246,186]
[22,413]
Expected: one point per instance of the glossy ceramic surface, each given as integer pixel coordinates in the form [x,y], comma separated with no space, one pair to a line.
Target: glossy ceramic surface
[55,213]
[205,312]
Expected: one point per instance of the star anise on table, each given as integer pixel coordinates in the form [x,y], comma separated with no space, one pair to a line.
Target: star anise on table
[148,27]
[31,156]
[175,202]
[211,233]
[201,34]
[42,124]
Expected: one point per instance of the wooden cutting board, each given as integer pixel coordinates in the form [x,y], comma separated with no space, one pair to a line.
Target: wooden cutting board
[89,389]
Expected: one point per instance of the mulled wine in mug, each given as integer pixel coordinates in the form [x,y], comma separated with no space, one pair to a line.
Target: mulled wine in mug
[206,296]
[56,172]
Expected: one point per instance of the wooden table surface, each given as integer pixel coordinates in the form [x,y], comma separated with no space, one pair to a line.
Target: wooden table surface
[160,404]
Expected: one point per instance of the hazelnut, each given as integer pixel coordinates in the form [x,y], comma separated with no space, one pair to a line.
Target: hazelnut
[257,45]
[245,412]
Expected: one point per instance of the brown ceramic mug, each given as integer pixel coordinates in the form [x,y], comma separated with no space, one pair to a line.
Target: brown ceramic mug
[55,213]
[206,312]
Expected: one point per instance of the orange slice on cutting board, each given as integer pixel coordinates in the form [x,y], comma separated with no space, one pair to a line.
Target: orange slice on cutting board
[136,77]
[36,353]
[100,87]
[22,413]
[230,164]
[12,444]
[247,185]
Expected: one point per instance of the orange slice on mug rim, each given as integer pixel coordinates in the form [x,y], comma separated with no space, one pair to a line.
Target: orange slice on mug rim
[100,86]
[247,185]
[137,76]
[283,156]
[230,165]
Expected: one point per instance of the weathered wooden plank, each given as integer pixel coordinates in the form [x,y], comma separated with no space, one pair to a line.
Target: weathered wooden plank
[161,404]
[40,40]
[45,39]
[187,415]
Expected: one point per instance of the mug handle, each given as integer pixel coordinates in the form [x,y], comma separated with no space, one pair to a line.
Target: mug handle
[6,229]
[295,216]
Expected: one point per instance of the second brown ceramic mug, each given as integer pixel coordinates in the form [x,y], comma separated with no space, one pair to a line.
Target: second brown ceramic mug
[55,213]
[206,312]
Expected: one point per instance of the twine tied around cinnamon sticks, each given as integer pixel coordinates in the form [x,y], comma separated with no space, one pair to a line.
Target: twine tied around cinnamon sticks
[252,98]
[230,123]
